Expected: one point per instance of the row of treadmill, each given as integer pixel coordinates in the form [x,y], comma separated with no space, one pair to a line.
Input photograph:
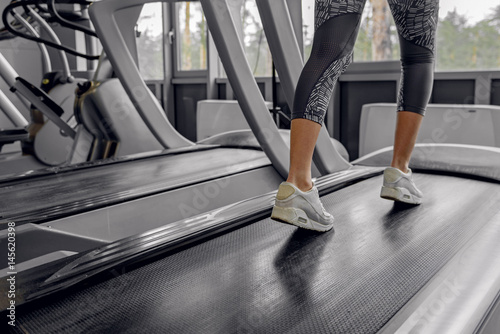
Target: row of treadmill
[119,224]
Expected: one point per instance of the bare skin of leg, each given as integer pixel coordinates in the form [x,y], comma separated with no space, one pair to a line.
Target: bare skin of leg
[304,134]
[407,127]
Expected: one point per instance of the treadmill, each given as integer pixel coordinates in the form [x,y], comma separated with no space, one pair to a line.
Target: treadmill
[387,268]
[191,178]
[66,210]
[176,171]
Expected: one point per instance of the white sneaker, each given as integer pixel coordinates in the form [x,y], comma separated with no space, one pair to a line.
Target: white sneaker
[400,187]
[302,209]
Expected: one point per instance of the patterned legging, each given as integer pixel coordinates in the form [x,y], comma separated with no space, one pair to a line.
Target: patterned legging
[336,28]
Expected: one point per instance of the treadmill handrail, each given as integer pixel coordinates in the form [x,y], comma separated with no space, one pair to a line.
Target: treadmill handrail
[62,55]
[12,30]
[46,64]
[103,16]
[51,4]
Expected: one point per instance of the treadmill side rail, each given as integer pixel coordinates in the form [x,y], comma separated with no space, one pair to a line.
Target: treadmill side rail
[172,236]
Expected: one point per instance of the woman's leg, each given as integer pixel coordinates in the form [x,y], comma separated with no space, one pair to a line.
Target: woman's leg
[416,22]
[336,27]
[304,134]
[337,23]
[407,126]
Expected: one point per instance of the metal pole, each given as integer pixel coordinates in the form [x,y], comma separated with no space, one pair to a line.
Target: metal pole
[240,75]
[12,113]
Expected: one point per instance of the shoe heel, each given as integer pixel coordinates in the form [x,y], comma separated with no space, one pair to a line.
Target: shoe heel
[297,217]
[390,193]
[286,215]
[400,195]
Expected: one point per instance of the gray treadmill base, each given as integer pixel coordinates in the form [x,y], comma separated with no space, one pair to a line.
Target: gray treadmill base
[472,160]
[269,277]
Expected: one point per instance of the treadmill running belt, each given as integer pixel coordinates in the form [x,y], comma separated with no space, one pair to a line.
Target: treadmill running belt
[269,277]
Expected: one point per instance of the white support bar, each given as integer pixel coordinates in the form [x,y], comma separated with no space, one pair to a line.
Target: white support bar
[239,73]
[12,113]
[7,72]
[105,19]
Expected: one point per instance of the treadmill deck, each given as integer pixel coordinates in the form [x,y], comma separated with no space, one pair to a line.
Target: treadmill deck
[269,277]
[57,195]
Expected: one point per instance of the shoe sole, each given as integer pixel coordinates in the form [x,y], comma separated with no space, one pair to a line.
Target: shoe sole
[400,195]
[298,217]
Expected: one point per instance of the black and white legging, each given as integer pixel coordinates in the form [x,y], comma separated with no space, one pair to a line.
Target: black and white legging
[336,28]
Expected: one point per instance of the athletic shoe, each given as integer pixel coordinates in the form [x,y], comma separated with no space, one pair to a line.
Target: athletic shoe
[399,186]
[302,209]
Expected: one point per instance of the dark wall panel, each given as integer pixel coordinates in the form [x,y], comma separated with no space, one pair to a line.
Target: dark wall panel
[453,91]
[280,94]
[353,95]
[222,91]
[186,99]
[262,88]
[495,92]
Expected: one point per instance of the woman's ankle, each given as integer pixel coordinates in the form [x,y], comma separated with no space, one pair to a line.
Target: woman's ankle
[302,183]
[401,165]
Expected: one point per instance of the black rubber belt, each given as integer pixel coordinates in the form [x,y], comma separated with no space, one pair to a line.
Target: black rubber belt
[274,278]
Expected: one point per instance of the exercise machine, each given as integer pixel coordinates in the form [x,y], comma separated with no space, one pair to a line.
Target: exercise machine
[387,267]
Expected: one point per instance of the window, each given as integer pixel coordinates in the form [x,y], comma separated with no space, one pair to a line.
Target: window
[255,42]
[149,32]
[365,44]
[254,39]
[468,35]
[191,37]
[377,38]
[308,26]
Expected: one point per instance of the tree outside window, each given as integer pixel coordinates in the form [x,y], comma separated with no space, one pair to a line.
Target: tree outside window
[468,36]
[193,36]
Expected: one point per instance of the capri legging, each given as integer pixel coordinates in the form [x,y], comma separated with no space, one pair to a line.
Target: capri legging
[336,28]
